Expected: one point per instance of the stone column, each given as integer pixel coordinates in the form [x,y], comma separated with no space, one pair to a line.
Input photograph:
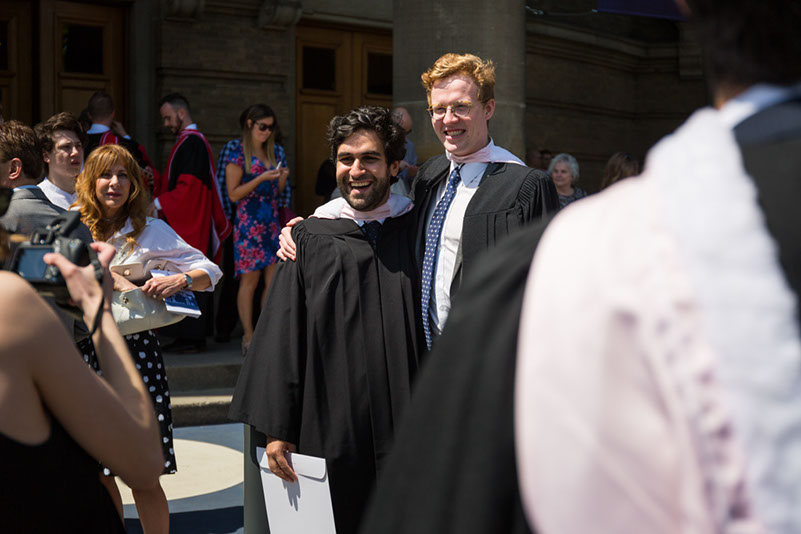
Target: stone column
[424,30]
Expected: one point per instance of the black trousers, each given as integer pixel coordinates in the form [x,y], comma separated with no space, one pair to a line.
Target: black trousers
[227,314]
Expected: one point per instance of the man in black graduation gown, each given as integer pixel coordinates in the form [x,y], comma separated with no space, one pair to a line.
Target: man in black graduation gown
[462,415]
[337,345]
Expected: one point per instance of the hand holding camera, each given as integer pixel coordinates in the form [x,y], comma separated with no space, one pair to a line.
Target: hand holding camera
[84,288]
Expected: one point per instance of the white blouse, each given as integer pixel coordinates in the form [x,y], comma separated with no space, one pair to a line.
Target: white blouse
[162,249]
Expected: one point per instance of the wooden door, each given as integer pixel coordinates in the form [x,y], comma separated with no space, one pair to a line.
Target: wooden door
[337,70]
[82,51]
[15,60]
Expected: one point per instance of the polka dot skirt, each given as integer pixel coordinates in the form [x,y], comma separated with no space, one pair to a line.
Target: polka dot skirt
[146,353]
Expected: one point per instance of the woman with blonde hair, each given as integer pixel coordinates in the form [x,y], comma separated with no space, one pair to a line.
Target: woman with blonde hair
[256,175]
[112,200]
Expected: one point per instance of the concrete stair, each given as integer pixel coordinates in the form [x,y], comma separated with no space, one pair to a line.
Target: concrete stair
[201,385]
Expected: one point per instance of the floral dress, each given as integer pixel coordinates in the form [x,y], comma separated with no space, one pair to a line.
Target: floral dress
[256,230]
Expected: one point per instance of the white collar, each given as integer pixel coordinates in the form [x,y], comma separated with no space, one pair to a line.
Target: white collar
[754,99]
[192,126]
[96,128]
[339,208]
[490,153]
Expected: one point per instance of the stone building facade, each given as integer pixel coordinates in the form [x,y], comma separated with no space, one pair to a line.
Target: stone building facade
[569,80]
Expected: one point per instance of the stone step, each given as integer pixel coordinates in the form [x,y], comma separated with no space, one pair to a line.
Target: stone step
[201,385]
[201,407]
[217,367]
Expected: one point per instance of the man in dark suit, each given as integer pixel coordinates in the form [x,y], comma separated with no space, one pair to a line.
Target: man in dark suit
[29,208]
[715,217]
[20,168]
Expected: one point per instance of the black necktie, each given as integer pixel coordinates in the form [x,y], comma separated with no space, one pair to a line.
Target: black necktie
[370,230]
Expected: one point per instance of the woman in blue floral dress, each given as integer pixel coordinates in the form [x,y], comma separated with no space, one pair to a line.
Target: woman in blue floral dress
[256,176]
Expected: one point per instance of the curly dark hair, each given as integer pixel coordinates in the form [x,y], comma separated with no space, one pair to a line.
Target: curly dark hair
[372,118]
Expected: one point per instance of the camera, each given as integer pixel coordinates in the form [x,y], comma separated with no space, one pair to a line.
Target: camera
[28,258]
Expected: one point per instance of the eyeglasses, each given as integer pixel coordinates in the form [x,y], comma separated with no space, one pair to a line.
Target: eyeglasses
[5,199]
[460,109]
[264,127]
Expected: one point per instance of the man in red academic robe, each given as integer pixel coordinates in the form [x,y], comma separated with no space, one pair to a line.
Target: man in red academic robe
[188,199]
[105,130]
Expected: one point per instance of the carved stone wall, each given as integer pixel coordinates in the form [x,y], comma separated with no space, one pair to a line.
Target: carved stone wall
[230,56]
[592,94]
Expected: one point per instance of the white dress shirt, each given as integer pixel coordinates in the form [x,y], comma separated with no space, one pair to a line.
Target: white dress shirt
[96,128]
[56,195]
[755,99]
[162,249]
[451,238]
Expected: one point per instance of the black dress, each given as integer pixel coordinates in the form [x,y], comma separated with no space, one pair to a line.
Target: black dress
[334,353]
[53,487]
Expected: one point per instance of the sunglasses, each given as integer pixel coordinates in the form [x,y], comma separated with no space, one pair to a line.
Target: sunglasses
[5,199]
[264,127]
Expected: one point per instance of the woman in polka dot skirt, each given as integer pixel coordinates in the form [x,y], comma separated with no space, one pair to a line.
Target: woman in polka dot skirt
[113,200]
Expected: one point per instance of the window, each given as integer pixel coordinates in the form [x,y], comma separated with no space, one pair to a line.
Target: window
[3,45]
[82,48]
[319,68]
[379,73]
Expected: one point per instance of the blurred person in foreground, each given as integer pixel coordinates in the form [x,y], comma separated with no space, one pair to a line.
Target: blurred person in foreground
[112,198]
[658,392]
[58,418]
[620,165]
[564,170]
[337,346]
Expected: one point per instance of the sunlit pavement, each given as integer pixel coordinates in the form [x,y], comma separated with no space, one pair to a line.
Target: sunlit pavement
[206,494]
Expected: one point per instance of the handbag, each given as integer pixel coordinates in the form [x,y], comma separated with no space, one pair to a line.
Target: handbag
[134,312]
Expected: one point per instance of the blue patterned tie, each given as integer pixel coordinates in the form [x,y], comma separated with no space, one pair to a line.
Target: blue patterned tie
[432,246]
[370,230]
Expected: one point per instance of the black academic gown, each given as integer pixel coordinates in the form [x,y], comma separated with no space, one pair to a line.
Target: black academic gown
[93,141]
[509,197]
[453,469]
[335,351]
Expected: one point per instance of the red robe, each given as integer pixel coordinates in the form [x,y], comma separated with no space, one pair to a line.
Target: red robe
[187,192]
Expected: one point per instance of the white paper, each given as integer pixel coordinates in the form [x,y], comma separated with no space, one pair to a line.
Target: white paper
[302,507]
[183,302]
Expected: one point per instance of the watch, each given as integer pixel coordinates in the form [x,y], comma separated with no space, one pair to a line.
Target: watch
[188,281]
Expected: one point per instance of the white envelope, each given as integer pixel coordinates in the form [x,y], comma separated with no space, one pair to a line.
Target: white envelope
[302,507]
